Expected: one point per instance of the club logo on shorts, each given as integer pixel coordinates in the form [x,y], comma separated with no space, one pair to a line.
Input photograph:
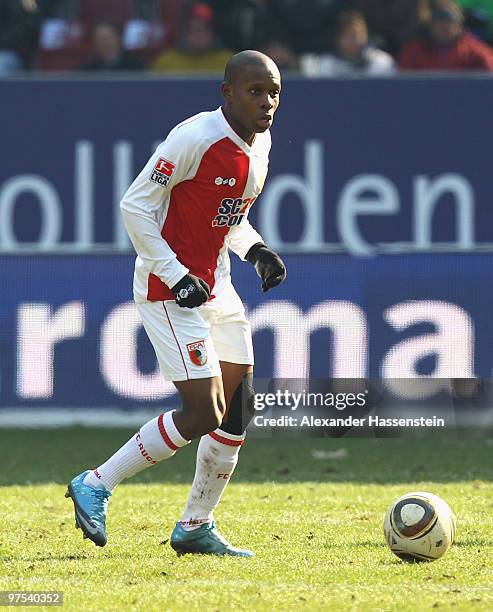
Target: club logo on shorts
[162,171]
[197,352]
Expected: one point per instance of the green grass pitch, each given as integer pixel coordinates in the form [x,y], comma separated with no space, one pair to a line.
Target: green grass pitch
[315,525]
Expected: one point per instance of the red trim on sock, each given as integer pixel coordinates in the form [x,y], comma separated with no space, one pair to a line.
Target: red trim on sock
[164,434]
[226,441]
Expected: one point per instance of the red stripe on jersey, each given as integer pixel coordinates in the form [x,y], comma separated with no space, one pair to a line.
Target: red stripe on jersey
[164,434]
[194,204]
[224,440]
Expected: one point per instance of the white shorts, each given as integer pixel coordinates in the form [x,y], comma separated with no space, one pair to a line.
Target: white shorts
[190,342]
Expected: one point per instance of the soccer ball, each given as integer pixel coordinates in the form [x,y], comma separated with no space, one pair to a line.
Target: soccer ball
[419,527]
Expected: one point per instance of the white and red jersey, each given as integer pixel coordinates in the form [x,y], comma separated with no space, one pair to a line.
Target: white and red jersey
[189,205]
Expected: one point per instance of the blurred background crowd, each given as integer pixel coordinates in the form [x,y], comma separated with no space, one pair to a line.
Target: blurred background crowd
[316,38]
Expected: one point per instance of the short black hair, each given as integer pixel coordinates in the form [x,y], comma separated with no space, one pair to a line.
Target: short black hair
[238,62]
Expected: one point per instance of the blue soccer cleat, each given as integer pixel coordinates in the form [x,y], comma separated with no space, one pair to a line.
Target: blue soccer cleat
[90,506]
[206,539]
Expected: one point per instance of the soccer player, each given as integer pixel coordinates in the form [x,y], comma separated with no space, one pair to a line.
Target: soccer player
[187,207]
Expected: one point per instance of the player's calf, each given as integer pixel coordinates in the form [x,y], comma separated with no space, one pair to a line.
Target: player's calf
[203,406]
[241,408]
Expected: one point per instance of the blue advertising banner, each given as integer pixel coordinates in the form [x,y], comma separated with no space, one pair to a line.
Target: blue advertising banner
[70,335]
[362,166]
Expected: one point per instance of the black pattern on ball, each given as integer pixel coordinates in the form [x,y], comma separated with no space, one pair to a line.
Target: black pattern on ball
[419,529]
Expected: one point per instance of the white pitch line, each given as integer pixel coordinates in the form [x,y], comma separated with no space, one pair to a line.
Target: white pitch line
[52,418]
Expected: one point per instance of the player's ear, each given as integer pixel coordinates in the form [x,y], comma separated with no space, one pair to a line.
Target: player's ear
[226,91]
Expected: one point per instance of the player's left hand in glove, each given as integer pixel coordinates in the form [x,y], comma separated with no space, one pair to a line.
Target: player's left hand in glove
[191,291]
[268,264]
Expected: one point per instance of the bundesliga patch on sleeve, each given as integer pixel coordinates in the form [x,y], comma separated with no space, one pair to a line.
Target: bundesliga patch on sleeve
[162,171]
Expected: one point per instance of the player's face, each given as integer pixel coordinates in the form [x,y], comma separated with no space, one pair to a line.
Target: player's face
[253,99]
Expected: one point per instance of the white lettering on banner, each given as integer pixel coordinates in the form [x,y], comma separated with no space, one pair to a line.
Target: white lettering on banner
[292,329]
[365,195]
[310,192]
[118,358]
[51,210]
[84,194]
[426,195]
[354,201]
[452,344]
[122,177]
[39,329]
[52,214]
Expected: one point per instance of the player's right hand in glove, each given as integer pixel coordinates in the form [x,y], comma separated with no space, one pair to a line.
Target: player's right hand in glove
[268,264]
[191,291]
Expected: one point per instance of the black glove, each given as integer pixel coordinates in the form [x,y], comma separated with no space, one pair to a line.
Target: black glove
[268,264]
[191,291]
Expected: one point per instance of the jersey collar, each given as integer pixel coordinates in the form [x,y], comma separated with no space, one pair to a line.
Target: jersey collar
[231,134]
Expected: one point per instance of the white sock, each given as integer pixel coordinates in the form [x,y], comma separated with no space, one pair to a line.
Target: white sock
[217,456]
[157,440]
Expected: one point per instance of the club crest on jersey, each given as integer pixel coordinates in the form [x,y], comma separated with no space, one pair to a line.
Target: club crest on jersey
[225,181]
[162,171]
[197,352]
[231,211]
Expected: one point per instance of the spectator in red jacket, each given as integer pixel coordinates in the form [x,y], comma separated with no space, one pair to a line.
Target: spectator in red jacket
[446,45]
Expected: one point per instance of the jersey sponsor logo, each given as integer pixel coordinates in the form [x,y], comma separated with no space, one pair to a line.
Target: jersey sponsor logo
[231,211]
[225,181]
[197,352]
[162,171]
